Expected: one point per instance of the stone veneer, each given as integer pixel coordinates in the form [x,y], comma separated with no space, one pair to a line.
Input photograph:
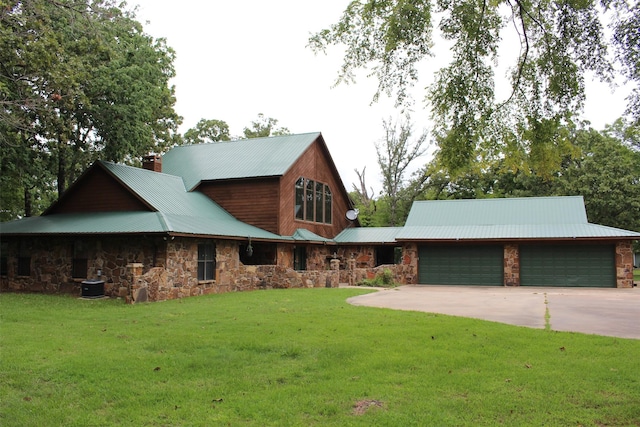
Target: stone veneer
[624,264]
[511,264]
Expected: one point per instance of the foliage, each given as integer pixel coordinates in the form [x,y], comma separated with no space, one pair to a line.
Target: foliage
[263,127]
[207,131]
[384,279]
[298,357]
[558,42]
[598,166]
[79,80]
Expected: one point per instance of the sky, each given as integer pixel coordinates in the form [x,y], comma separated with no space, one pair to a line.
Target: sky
[238,58]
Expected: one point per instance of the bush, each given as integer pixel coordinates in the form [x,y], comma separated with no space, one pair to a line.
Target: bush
[383,280]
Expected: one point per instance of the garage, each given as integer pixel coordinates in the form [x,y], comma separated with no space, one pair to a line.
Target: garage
[461,265]
[568,265]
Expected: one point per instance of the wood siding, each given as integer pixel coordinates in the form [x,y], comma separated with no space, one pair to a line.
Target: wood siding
[254,201]
[313,164]
[97,191]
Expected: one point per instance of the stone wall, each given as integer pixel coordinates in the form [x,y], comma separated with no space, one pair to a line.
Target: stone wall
[51,262]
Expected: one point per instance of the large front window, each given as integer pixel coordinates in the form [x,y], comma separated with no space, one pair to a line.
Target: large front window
[313,201]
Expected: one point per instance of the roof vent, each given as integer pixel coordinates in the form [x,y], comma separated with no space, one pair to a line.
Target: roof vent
[152,162]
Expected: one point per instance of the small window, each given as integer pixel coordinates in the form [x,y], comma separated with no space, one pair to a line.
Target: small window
[79,263]
[24,260]
[206,261]
[24,266]
[300,258]
[4,264]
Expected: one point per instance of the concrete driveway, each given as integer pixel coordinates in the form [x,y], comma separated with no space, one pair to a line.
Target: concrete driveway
[610,312]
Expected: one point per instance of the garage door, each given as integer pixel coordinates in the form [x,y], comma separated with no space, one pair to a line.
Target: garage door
[568,265]
[461,265]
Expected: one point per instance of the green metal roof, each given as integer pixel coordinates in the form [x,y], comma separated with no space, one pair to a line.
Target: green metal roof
[134,223]
[524,210]
[163,192]
[247,158]
[364,235]
[511,218]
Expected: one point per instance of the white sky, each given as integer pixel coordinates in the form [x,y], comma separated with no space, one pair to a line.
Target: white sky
[238,58]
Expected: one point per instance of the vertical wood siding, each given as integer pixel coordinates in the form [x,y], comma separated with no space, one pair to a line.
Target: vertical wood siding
[254,201]
[98,192]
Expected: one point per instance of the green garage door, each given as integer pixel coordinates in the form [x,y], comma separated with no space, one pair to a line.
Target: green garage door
[461,265]
[568,265]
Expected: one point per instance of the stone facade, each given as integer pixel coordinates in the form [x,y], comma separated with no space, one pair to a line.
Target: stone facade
[624,264]
[143,268]
[511,264]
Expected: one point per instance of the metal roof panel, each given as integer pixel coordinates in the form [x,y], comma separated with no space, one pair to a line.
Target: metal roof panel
[246,158]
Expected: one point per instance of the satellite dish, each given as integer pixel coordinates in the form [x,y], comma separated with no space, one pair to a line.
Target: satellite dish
[352,214]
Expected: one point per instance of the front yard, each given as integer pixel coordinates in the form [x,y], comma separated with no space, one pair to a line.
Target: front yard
[299,358]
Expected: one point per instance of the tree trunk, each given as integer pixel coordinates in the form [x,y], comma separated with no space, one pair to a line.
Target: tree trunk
[27,202]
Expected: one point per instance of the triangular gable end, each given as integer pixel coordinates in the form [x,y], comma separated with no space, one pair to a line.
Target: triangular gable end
[98,190]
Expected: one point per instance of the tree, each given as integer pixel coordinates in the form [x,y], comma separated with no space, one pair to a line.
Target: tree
[207,131]
[264,127]
[607,175]
[79,80]
[558,42]
[395,154]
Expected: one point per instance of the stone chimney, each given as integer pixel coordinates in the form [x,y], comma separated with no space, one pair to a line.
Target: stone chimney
[152,162]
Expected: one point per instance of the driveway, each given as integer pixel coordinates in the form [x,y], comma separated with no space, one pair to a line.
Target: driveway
[610,312]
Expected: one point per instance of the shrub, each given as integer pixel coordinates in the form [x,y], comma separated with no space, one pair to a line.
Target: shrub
[384,279]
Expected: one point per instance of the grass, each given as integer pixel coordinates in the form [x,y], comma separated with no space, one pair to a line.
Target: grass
[636,275]
[299,358]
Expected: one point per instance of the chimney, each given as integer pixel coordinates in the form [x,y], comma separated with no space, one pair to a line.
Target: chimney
[152,162]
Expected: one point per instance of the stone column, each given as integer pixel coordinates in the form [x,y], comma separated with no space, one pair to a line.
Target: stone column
[351,266]
[624,264]
[334,273]
[511,264]
[136,286]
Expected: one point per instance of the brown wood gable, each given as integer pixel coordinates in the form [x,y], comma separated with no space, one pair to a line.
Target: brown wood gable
[316,164]
[97,190]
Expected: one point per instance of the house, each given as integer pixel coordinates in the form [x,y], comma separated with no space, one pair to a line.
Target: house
[271,213]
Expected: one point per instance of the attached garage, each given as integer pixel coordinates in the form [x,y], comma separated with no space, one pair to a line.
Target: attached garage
[461,265]
[568,265]
[534,241]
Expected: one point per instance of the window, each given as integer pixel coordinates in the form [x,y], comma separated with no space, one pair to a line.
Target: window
[79,261]
[24,260]
[388,255]
[206,261]
[300,258]
[4,265]
[299,199]
[313,201]
[258,253]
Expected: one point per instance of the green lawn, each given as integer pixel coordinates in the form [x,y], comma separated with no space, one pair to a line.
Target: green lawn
[299,358]
[636,275]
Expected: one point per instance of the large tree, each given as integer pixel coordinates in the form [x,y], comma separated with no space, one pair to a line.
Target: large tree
[79,80]
[557,43]
[395,153]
